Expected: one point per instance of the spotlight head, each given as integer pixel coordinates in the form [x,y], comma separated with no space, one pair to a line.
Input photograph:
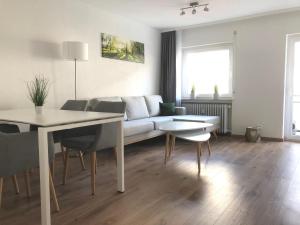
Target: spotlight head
[206,9]
[194,11]
[182,13]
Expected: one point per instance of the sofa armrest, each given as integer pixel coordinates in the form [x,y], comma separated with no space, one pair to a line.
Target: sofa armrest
[180,110]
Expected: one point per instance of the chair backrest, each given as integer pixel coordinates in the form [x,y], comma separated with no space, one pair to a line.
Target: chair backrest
[113,107]
[75,105]
[106,137]
[19,152]
[9,128]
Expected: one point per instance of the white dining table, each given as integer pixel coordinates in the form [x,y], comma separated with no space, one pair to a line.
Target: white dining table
[50,120]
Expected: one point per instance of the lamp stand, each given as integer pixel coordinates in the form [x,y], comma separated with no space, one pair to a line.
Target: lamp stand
[75,80]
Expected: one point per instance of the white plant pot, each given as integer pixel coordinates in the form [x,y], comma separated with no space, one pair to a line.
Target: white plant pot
[193,95]
[39,109]
[216,96]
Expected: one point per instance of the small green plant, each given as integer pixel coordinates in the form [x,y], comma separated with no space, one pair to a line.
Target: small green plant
[193,89]
[216,89]
[38,90]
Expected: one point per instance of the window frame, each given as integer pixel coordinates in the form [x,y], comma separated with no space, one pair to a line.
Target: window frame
[204,48]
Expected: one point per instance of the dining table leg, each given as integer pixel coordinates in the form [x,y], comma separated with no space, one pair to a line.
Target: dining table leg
[44,176]
[120,156]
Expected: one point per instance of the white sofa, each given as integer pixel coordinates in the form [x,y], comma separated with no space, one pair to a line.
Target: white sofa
[142,117]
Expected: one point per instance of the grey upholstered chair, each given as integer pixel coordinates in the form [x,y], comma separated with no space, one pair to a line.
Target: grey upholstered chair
[75,105]
[72,105]
[94,139]
[10,129]
[19,153]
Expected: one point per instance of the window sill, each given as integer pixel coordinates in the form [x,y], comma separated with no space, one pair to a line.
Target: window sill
[208,100]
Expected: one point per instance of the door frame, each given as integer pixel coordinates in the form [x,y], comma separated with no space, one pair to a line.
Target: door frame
[288,106]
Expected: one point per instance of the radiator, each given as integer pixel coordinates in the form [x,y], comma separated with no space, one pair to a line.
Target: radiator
[223,110]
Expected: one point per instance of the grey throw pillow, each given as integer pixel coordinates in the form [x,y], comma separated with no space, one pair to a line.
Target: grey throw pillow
[136,108]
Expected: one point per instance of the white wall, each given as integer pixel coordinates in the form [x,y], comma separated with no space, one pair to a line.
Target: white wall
[260,67]
[31,34]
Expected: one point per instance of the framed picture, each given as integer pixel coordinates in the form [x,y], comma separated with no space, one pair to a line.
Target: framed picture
[114,47]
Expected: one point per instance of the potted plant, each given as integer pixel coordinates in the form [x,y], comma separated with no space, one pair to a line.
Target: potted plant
[38,92]
[216,92]
[193,92]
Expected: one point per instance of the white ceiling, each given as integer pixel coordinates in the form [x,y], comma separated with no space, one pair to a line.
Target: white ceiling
[164,14]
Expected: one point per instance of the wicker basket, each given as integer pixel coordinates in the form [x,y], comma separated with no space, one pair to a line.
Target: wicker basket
[253,134]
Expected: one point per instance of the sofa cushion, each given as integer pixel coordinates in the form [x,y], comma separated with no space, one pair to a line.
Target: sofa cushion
[158,120]
[94,102]
[152,102]
[137,127]
[136,108]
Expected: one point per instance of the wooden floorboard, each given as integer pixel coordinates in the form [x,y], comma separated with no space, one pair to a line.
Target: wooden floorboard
[240,184]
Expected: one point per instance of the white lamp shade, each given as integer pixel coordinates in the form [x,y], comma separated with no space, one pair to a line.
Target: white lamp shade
[74,50]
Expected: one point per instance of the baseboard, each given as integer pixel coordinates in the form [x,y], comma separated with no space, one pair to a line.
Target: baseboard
[271,139]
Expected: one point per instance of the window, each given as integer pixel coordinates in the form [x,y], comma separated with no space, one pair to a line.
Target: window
[207,66]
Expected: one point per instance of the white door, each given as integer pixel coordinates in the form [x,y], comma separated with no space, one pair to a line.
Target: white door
[292,99]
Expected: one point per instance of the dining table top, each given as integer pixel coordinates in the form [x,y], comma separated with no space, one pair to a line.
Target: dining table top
[53,117]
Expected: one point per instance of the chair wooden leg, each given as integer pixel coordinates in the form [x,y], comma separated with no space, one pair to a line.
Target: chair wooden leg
[66,165]
[53,192]
[115,154]
[209,149]
[53,167]
[31,171]
[27,183]
[96,164]
[63,152]
[198,157]
[82,160]
[1,190]
[167,147]
[16,184]
[93,172]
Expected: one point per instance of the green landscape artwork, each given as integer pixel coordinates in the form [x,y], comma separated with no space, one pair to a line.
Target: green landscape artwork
[114,47]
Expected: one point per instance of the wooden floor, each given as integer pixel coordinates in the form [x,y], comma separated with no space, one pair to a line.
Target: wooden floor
[241,183]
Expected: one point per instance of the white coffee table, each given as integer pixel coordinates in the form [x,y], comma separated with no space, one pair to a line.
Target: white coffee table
[215,120]
[190,131]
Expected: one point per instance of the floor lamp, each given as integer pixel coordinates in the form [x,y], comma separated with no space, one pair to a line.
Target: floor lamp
[75,51]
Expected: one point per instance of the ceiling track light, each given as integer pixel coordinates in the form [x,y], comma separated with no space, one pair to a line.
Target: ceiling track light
[193,6]
[194,11]
[206,9]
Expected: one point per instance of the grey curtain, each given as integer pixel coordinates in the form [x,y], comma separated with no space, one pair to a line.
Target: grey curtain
[168,66]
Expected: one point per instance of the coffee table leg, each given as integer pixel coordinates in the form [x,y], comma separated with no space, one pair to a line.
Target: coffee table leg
[172,145]
[215,134]
[199,156]
[167,146]
[209,149]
